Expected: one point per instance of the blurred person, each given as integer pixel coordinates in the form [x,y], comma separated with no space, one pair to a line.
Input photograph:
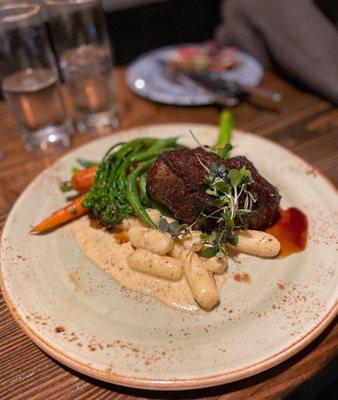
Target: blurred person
[294,37]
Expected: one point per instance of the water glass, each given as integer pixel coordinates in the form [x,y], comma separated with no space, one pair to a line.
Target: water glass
[29,76]
[82,46]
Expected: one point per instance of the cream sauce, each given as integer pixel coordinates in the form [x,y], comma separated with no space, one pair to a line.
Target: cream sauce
[101,248]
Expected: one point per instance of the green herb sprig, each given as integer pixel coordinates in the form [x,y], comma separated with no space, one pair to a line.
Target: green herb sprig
[175,229]
[228,187]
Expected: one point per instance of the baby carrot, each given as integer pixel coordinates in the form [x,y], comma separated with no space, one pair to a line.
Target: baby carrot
[83,180]
[71,211]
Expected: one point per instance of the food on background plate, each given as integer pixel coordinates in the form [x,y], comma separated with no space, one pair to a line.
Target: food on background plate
[197,58]
[169,217]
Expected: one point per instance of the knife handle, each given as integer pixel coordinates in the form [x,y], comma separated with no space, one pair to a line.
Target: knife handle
[265,93]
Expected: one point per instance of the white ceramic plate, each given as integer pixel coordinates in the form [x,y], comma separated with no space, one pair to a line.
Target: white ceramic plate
[83,318]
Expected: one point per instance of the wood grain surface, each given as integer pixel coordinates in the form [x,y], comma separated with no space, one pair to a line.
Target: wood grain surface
[305,124]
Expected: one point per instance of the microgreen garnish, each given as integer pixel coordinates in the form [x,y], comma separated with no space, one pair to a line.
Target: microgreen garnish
[221,149]
[175,229]
[198,142]
[233,202]
[215,241]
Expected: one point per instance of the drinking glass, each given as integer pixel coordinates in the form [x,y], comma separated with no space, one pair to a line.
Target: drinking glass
[82,46]
[28,71]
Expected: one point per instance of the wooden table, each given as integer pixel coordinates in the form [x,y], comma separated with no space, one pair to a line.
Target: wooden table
[306,124]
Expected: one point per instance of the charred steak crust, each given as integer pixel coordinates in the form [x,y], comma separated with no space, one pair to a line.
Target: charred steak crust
[177,180]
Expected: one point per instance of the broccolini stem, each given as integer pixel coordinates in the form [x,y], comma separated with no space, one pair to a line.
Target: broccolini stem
[163,143]
[132,193]
[155,149]
[148,154]
[226,127]
[143,190]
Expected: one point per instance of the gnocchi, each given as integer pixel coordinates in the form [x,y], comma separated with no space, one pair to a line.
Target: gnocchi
[257,243]
[159,255]
[150,239]
[177,250]
[201,284]
[216,265]
[160,266]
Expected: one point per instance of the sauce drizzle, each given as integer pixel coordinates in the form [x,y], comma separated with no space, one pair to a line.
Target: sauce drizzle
[291,230]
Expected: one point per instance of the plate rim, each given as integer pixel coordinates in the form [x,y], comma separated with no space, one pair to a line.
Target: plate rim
[170,384]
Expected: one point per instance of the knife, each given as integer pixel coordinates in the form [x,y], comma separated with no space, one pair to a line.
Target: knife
[224,92]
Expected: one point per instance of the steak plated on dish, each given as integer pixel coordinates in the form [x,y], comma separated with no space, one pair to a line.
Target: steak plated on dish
[177,180]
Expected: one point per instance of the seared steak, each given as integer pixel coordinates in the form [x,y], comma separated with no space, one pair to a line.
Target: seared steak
[177,180]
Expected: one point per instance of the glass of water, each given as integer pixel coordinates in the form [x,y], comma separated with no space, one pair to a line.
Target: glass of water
[81,42]
[28,72]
